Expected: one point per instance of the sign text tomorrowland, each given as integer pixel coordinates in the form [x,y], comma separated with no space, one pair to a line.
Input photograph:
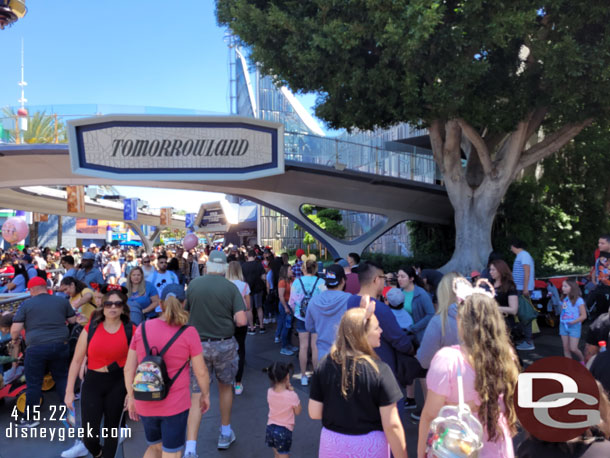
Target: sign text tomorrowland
[176,147]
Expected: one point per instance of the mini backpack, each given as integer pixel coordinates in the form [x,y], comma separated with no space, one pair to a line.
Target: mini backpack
[307,298]
[455,432]
[152,382]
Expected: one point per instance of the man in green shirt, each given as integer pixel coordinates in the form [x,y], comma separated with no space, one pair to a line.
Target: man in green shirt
[216,307]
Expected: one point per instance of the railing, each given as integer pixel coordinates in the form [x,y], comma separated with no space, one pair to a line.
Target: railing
[416,164]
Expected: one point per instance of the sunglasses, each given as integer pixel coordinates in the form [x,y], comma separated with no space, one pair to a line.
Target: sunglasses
[145,262]
[109,304]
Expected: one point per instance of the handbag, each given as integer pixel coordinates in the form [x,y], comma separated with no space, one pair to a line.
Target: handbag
[455,432]
[526,312]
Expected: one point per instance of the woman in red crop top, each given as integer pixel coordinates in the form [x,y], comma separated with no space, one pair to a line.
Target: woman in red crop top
[103,391]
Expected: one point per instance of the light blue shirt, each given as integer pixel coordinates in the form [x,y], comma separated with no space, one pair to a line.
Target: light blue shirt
[522,259]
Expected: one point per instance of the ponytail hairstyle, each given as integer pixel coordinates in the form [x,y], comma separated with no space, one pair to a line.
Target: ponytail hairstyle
[284,272]
[173,311]
[278,372]
[310,266]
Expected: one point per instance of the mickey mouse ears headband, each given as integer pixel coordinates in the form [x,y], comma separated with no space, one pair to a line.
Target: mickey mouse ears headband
[464,289]
[105,289]
[311,257]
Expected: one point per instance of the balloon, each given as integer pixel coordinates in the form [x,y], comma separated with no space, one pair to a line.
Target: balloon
[14,230]
[190,241]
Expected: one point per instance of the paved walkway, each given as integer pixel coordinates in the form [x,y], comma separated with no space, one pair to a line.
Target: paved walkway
[249,413]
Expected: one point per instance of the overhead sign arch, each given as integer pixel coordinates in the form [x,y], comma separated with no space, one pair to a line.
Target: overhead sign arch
[192,148]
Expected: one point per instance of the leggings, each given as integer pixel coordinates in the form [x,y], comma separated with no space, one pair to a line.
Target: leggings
[240,336]
[102,395]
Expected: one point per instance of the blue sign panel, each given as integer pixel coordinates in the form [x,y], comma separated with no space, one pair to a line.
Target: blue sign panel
[189,220]
[130,209]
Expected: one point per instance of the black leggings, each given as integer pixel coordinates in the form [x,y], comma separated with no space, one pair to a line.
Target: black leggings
[102,395]
[240,336]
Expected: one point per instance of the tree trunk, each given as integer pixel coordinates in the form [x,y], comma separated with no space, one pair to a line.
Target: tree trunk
[474,216]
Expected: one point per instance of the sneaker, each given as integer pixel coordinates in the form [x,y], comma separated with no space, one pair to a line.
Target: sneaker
[286,352]
[416,415]
[276,340]
[190,455]
[252,331]
[293,348]
[304,380]
[273,319]
[262,330]
[224,442]
[23,423]
[239,389]
[410,403]
[266,320]
[77,450]
[526,346]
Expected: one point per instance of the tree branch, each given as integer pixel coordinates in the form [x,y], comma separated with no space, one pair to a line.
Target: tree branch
[551,144]
[479,145]
[536,118]
[436,140]
[451,150]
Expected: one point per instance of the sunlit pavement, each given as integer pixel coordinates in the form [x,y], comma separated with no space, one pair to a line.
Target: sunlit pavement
[249,412]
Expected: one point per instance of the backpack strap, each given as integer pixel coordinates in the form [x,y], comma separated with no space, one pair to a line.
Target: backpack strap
[144,339]
[128,328]
[173,339]
[92,327]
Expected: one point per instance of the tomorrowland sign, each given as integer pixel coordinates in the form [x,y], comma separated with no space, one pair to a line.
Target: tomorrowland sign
[176,147]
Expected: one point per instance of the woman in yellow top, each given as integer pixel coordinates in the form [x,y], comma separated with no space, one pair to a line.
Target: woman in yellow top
[81,298]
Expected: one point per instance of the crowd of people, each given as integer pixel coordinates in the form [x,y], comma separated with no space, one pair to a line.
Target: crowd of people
[144,332]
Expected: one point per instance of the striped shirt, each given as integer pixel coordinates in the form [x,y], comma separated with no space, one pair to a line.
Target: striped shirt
[523,258]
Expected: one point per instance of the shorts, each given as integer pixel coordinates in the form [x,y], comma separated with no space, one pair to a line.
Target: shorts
[300,325]
[170,431]
[279,438]
[256,300]
[572,330]
[221,359]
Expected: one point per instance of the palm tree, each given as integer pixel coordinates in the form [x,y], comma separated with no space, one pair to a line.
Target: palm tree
[41,128]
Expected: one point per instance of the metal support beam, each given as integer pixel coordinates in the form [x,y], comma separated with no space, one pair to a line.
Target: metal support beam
[148,242]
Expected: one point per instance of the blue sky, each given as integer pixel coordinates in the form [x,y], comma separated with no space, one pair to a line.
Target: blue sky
[137,53]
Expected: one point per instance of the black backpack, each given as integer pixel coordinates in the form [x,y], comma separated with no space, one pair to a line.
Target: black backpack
[152,382]
[307,298]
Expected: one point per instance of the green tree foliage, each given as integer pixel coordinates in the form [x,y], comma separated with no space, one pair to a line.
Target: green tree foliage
[328,219]
[41,128]
[484,77]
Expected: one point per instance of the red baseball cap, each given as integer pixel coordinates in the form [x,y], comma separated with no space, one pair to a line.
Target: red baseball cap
[385,291]
[300,252]
[36,281]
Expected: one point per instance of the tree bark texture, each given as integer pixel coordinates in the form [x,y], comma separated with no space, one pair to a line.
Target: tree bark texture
[476,188]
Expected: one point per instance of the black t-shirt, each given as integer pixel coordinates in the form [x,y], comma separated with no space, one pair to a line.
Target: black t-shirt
[601,369]
[44,318]
[359,414]
[599,330]
[502,297]
[252,271]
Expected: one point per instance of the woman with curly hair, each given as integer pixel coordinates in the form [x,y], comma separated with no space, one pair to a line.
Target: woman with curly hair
[489,369]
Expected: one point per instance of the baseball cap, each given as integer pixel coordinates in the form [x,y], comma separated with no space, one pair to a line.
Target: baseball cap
[218,257]
[88,255]
[384,293]
[36,281]
[395,297]
[300,252]
[93,245]
[475,273]
[334,275]
[173,290]
[343,263]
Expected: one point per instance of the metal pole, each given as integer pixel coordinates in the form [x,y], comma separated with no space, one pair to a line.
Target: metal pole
[56,128]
